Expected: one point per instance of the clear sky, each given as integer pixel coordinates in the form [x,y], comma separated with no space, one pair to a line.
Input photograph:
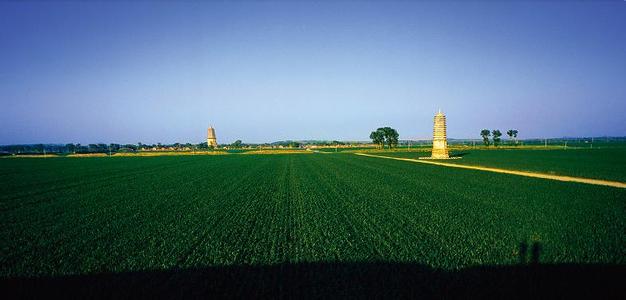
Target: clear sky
[265,71]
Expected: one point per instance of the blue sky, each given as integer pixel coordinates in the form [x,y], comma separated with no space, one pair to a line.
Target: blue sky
[266,71]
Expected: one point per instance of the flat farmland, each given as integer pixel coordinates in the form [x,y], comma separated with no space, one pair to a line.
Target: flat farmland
[607,163]
[281,225]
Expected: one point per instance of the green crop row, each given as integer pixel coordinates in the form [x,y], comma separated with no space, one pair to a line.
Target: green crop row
[82,216]
[606,163]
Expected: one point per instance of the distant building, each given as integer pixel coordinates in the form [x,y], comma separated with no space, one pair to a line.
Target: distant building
[211,140]
[440,142]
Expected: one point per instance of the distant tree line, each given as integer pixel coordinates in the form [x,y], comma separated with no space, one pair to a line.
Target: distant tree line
[496,134]
[288,144]
[95,148]
[117,148]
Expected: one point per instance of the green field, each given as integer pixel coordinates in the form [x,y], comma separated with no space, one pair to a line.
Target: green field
[132,215]
[607,163]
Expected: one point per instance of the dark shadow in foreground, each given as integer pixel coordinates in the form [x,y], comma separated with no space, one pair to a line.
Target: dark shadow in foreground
[334,280]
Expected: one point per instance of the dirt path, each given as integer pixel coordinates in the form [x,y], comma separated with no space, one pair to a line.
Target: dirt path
[616,184]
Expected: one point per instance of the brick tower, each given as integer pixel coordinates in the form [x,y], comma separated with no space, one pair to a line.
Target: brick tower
[211,140]
[440,142]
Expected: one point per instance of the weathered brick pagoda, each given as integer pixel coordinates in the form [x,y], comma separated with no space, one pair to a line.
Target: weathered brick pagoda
[211,140]
[440,141]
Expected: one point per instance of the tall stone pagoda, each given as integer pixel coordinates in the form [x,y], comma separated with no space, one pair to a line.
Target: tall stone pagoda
[211,140]
[440,142]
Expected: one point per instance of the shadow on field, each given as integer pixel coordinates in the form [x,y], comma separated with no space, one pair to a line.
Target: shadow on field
[334,280]
[460,154]
[535,253]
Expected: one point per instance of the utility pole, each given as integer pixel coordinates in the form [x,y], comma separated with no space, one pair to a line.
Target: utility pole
[545,143]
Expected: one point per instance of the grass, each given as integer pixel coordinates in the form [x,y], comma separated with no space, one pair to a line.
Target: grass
[63,216]
[604,163]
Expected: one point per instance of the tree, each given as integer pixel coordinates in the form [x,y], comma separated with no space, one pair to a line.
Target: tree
[378,137]
[391,136]
[512,133]
[496,137]
[202,145]
[385,135]
[485,133]
[237,144]
[128,147]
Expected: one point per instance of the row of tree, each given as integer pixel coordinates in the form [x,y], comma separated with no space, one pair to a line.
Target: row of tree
[385,135]
[95,148]
[389,136]
[496,134]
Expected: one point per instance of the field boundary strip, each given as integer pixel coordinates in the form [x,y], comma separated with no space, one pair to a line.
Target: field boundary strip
[616,184]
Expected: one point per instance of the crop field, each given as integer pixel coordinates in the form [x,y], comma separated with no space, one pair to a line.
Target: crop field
[280,225]
[607,163]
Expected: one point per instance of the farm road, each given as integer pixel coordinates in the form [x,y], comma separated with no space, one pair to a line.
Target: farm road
[616,184]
